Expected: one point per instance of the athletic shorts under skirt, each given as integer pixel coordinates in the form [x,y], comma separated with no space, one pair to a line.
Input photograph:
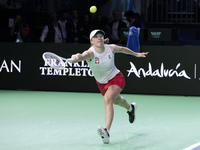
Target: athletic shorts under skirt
[117,80]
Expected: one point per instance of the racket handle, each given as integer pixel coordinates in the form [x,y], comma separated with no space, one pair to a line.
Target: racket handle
[70,60]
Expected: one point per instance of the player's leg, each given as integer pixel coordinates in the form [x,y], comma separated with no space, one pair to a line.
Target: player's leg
[111,93]
[109,97]
[121,101]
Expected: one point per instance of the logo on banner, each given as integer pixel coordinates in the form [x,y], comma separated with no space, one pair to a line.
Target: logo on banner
[76,69]
[161,73]
[156,34]
[10,66]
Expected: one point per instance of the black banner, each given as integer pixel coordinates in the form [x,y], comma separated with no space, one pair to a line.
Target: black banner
[171,70]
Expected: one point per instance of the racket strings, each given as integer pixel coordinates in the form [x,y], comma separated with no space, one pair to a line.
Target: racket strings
[54,61]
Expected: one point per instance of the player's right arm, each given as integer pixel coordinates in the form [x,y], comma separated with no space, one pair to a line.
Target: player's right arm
[86,55]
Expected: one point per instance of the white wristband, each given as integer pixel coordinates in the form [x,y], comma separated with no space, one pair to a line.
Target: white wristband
[75,56]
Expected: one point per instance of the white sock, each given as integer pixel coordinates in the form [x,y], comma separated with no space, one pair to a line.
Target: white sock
[108,131]
[130,109]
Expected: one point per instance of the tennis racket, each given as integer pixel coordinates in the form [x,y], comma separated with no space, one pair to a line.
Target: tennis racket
[55,61]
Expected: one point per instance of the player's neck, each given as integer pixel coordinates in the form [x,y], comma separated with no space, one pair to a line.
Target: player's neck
[99,49]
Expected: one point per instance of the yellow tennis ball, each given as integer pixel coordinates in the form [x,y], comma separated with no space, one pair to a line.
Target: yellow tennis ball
[93,9]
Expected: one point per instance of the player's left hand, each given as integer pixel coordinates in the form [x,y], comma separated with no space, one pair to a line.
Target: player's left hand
[142,54]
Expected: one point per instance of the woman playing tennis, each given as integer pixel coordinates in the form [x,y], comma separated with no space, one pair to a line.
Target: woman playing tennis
[100,58]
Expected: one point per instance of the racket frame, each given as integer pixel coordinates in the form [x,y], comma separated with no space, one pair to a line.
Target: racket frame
[58,57]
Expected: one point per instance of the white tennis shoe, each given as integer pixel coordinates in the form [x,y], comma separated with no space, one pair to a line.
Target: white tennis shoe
[104,134]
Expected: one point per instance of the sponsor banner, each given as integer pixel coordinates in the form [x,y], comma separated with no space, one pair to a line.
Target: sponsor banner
[10,66]
[77,69]
[171,70]
[166,70]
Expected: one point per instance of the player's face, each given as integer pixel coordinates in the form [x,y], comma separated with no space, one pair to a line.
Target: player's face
[98,40]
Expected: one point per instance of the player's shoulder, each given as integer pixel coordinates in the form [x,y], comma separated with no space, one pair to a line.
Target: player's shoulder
[89,52]
[113,47]
[112,44]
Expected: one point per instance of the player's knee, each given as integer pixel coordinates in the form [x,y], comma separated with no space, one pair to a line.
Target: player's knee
[108,100]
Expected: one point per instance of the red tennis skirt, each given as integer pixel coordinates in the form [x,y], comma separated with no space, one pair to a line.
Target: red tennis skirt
[117,80]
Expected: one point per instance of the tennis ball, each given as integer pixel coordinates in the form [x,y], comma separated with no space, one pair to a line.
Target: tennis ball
[93,9]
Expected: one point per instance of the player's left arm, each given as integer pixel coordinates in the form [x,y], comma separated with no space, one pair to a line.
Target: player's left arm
[125,50]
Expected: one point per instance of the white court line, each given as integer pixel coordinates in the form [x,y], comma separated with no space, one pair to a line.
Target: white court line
[193,147]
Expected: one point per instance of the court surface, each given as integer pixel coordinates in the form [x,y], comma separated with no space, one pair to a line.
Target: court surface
[34,120]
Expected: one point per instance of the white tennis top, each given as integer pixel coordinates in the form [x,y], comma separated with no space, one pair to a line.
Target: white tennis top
[103,65]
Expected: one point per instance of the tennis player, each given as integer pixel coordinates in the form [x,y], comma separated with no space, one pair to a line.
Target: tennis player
[100,58]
